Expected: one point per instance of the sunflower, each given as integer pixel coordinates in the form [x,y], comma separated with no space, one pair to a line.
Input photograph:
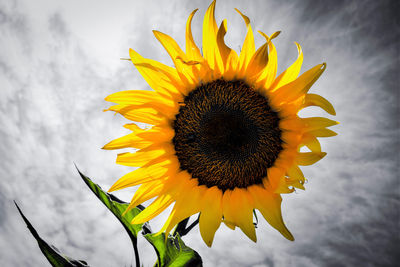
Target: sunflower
[223,135]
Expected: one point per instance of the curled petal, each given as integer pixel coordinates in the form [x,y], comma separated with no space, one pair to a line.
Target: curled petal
[210,30]
[291,73]
[248,48]
[163,79]
[228,56]
[309,158]
[192,51]
[319,101]
[315,123]
[311,142]
[300,86]
[323,133]
[268,74]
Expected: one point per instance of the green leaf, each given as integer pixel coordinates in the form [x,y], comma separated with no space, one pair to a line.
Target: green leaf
[52,254]
[173,252]
[170,252]
[117,207]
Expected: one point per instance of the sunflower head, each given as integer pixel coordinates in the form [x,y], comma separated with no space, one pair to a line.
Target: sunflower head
[224,137]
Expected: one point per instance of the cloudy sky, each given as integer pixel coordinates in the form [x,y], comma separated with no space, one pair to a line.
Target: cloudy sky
[59,59]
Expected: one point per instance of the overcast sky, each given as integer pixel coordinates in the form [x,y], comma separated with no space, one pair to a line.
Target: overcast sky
[59,59]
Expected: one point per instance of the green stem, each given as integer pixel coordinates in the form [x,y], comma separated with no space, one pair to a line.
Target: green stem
[255,215]
[181,226]
[187,230]
[182,230]
[137,259]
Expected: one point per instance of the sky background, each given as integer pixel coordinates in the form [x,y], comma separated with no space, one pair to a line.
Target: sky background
[59,59]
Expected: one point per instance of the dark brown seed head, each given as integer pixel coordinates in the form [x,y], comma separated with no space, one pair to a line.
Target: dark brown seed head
[226,135]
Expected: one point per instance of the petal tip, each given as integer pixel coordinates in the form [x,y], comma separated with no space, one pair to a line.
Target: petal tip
[246,18]
[290,238]
[157,33]
[253,238]
[274,35]
[110,190]
[288,235]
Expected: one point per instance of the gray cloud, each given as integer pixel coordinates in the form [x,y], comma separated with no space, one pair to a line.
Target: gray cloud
[58,62]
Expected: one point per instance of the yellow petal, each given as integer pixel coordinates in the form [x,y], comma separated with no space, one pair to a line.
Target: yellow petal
[163,79]
[293,123]
[187,204]
[275,181]
[258,62]
[323,133]
[243,206]
[138,159]
[161,108]
[144,175]
[300,86]
[248,48]
[211,214]
[134,128]
[269,72]
[315,123]
[295,183]
[309,158]
[192,51]
[163,159]
[311,142]
[130,140]
[291,73]
[136,177]
[295,173]
[287,157]
[170,45]
[210,30]
[145,192]
[146,115]
[227,58]
[171,82]
[291,137]
[142,138]
[185,71]
[155,208]
[157,135]
[317,100]
[221,50]
[227,210]
[138,97]
[269,205]
[144,99]
[229,225]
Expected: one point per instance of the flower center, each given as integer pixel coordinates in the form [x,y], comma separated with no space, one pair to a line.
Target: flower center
[226,135]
